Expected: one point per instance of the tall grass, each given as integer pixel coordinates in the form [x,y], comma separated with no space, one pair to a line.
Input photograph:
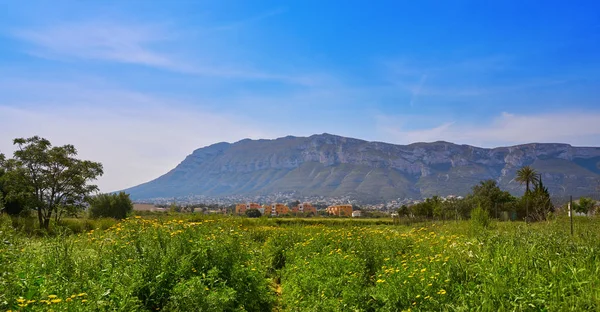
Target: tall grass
[216,263]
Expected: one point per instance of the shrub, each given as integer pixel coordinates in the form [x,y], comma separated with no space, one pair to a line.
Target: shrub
[117,206]
[253,213]
[480,217]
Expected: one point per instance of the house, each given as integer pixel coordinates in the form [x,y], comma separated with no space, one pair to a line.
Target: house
[356,214]
[305,208]
[277,209]
[241,208]
[340,210]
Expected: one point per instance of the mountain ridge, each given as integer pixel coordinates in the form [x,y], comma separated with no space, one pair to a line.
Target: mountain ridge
[331,165]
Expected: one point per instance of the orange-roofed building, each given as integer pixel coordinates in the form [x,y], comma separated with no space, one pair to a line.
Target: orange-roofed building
[340,210]
[278,209]
[305,208]
[241,208]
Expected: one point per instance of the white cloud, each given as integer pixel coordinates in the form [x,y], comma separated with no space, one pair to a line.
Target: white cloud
[576,128]
[99,41]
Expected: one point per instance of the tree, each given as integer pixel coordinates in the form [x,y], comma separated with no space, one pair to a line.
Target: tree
[585,205]
[117,206]
[489,195]
[403,211]
[49,179]
[253,213]
[527,176]
[539,202]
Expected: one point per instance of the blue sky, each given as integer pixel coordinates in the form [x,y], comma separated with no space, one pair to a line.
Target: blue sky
[138,85]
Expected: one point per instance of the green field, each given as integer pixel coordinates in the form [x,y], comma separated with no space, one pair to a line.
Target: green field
[196,263]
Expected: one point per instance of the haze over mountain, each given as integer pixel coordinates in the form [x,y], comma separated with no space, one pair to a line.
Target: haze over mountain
[329,165]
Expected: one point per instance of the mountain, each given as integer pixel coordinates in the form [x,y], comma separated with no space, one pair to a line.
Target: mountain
[329,165]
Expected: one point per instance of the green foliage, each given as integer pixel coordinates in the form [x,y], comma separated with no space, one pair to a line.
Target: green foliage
[117,206]
[585,205]
[403,211]
[489,196]
[253,213]
[527,176]
[537,203]
[480,217]
[48,178]
[200,263]
[174,208]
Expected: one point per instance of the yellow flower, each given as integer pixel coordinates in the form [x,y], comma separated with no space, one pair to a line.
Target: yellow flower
[84,300]
[423,270]
[82,294]
[56,300]
[52,296]
[441,292]
[69,299]
[20,300]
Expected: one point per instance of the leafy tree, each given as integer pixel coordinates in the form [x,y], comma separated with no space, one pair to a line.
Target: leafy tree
[49,179]
[585,205]
[253,213]
[489,195]
[117,206]
[527,176]
[403,211]
[455,208]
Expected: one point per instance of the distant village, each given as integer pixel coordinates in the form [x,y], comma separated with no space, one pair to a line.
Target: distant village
[316,205]
[303,209]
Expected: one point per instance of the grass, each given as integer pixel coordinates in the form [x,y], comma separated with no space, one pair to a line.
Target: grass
[216,263]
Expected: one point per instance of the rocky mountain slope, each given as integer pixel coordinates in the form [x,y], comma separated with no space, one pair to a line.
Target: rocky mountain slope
[331,165]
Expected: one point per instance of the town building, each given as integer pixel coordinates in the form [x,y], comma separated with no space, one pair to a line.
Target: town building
[340,210]
[305,208]
[241,208]
[356,214]
[277,209]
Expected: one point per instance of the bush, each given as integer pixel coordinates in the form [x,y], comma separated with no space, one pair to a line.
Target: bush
[253,213]
[480,217]
[117,206]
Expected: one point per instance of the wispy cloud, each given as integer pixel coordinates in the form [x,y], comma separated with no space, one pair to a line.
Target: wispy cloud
[99,40]
[147,45]
[577,128]
[469,77]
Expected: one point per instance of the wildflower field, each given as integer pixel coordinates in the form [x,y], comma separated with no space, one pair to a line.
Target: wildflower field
[197,263]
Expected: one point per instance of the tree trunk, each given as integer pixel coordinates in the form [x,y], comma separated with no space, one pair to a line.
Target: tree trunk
[47,219]
[40,219]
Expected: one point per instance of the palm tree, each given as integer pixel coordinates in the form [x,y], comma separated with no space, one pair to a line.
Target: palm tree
[527,176]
